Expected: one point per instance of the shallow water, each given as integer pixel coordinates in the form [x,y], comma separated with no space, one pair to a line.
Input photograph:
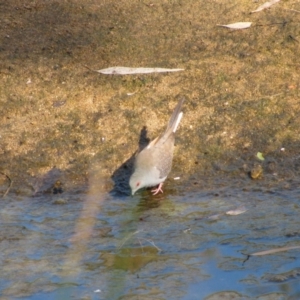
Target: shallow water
[175,246]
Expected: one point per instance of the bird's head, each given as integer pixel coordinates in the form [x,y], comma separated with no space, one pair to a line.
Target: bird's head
[136,183]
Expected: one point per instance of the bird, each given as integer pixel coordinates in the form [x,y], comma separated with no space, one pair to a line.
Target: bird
[153,164]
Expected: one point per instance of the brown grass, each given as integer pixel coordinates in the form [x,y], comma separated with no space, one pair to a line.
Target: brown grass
[242,87]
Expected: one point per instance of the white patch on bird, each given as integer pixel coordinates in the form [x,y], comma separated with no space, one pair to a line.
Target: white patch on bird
[177,121]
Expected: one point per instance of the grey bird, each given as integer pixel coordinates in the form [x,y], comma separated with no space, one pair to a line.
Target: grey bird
[154,163]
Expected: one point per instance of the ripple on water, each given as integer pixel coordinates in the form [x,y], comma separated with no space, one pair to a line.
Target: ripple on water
[169,248]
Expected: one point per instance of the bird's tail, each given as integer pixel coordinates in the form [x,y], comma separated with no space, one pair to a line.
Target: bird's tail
[175,118]
[172,126]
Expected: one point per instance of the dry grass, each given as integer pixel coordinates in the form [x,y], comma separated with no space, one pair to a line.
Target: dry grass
[242,87]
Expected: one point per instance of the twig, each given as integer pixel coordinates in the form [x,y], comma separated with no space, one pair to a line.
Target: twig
[263,96]
[10,184]
[270,251]
[141,245]
[298,11]
[272,24]
[127,238]
[89,68]
[152,243]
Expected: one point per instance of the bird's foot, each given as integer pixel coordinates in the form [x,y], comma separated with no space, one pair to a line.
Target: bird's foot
[158,189]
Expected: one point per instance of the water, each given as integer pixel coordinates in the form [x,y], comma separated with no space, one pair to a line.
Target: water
[179,245]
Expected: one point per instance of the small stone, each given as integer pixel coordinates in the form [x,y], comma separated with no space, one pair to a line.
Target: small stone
[60,201]
[256,172]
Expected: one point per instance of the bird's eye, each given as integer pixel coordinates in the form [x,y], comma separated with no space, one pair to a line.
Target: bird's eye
[137,184]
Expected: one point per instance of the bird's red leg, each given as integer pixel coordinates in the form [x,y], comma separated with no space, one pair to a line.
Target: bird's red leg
[158,189]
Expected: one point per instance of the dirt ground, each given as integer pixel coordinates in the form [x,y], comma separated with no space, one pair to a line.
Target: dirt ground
[60,120]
